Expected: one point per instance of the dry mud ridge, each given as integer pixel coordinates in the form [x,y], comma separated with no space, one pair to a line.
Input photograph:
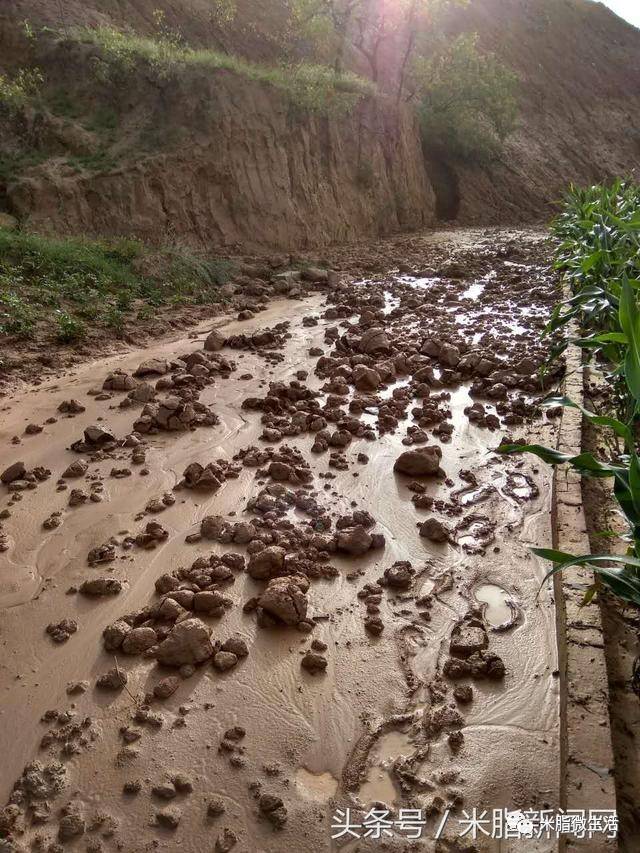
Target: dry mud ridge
[274,569]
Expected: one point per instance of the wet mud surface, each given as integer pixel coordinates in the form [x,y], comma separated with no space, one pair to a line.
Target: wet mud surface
[260,573]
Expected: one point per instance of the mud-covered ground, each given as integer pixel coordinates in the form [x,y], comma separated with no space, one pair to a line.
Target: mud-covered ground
[265,572]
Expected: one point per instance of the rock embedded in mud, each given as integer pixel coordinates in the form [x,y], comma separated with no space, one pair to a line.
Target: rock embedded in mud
[399,575]
[71,407]
[314,662]
[434,530]
[118,380]
[188,642]
[211,602]
[209,477]
[455,741]
[61,631]
[478,665]
[226,841]
[425,461]
[463,693]
[354,541]
[374,340]
[374,625]
[267,563]
[467,638]
[169,817]
[113,679]
[165,791]
[101,586]
[273,808]
[449,355]
[101,554]
[215,807]
[166,687]
[152,367]
[114,634]
[138,640]
[214,341]
[97,436]
[237,646]
[41,782]
[76,469]
[285,599]
[223,661]
[365,378]
[16,471]
[436,719]
[72,823]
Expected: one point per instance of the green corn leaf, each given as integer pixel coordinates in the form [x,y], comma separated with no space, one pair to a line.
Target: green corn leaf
[630,324]
[617,426]
[622,581]
[587,598]
[591,261]
[634,484]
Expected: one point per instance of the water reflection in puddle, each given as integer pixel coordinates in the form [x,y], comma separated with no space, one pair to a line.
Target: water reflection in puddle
[474,290]
[378,784]
[498,609]
[316,786]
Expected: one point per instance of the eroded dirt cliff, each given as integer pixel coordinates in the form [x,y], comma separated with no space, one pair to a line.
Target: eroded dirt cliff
[214,158]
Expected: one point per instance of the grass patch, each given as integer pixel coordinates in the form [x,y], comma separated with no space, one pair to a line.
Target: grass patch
[73,285]
[20,89]
[104,120]
[98,161]
[311,87]
[14,163]
[63,105]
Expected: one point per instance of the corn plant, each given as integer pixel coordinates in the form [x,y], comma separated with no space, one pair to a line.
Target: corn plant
[599,233]
[599,256]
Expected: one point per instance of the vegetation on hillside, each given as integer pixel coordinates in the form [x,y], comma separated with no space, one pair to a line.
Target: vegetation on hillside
[66,285]
[599,258]
[19,89]
[311,87]
[464,97]
[467,99]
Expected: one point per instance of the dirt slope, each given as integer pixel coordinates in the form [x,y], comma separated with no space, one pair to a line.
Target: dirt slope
[223,160]
[579,66]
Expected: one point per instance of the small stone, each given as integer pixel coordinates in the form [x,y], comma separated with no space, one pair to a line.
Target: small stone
[313,662]
[114,679]
[226,841]
[166,687]
[169,817]
[215,807]
[224,660]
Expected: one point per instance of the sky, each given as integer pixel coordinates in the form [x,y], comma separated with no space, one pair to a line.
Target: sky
[628,9]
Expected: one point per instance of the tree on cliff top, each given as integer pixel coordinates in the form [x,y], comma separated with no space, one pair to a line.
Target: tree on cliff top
[467,99]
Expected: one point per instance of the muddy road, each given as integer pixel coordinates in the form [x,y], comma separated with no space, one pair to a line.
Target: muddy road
[283,571]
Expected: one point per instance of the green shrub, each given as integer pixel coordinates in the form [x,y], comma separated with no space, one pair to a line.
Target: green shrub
[69,329]
[114,319]
[17,317]
[19,90]
[468,100]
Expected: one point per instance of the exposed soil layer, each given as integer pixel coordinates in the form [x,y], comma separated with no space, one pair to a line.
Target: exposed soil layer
[273,569]
[177,166]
